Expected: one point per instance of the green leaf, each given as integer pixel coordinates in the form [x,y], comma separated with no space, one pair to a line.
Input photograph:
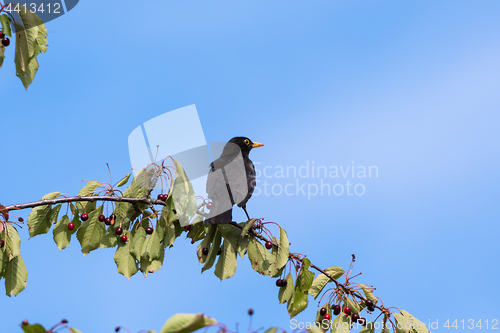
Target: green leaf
[74,330]
[407,320]
[305,277]
[226,265]
[368,292]
[243,246]
[186,323]
[31,39]
[36,328]
[152,246]
[321,280]
[369,328]
[286,293]
[314,329]
[26,34]
[3,261]
[125,261]
[77,222]
[127,212]
[247,226]
[2,54]
[15,276]
[212,252]
[27,76]
[86,191]
[282,255]
[12,247]
[299,300]
[169,238]
[151,266]
[353,305]
[341,324]
[297,303]
[260,258]
[123,181]
[110,238]
[206,243]
[272,330]
[197,228]
[5,21]
[50,196]
[138,242]
[322,323]
[90,233]
[62,235]
[183,195]
[41,217]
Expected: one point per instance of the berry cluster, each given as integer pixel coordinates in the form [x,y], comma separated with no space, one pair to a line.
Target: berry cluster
[162,197]
[281,283]
[5,40]
[355,317]
[107,220]
[369,305]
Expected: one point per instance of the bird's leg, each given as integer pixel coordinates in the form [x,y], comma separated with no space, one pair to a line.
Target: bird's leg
[245,209]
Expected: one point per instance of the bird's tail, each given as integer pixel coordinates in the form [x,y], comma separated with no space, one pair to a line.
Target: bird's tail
[221,218]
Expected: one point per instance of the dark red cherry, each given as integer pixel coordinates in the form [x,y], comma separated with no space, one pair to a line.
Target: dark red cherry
[328,317]
[336,309]
[118,231]
[322,311]
[85,217]
[149,230]
[102,218]
[71,226]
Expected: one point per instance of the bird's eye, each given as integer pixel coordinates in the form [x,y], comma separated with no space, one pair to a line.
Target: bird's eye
[247,142]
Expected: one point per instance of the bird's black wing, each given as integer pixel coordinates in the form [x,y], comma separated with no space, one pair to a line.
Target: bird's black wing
[250,182]
[227,184]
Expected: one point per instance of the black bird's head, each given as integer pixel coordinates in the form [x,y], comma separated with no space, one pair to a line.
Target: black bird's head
[245,144]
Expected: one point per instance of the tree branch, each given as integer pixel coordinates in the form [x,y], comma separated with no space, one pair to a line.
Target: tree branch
[89,199]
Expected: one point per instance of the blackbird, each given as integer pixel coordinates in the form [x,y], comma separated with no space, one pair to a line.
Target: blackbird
[231,180]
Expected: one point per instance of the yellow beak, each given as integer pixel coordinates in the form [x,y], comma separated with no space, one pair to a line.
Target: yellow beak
[257,144]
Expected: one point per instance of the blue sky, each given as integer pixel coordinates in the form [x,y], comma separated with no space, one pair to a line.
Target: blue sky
[408,86]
